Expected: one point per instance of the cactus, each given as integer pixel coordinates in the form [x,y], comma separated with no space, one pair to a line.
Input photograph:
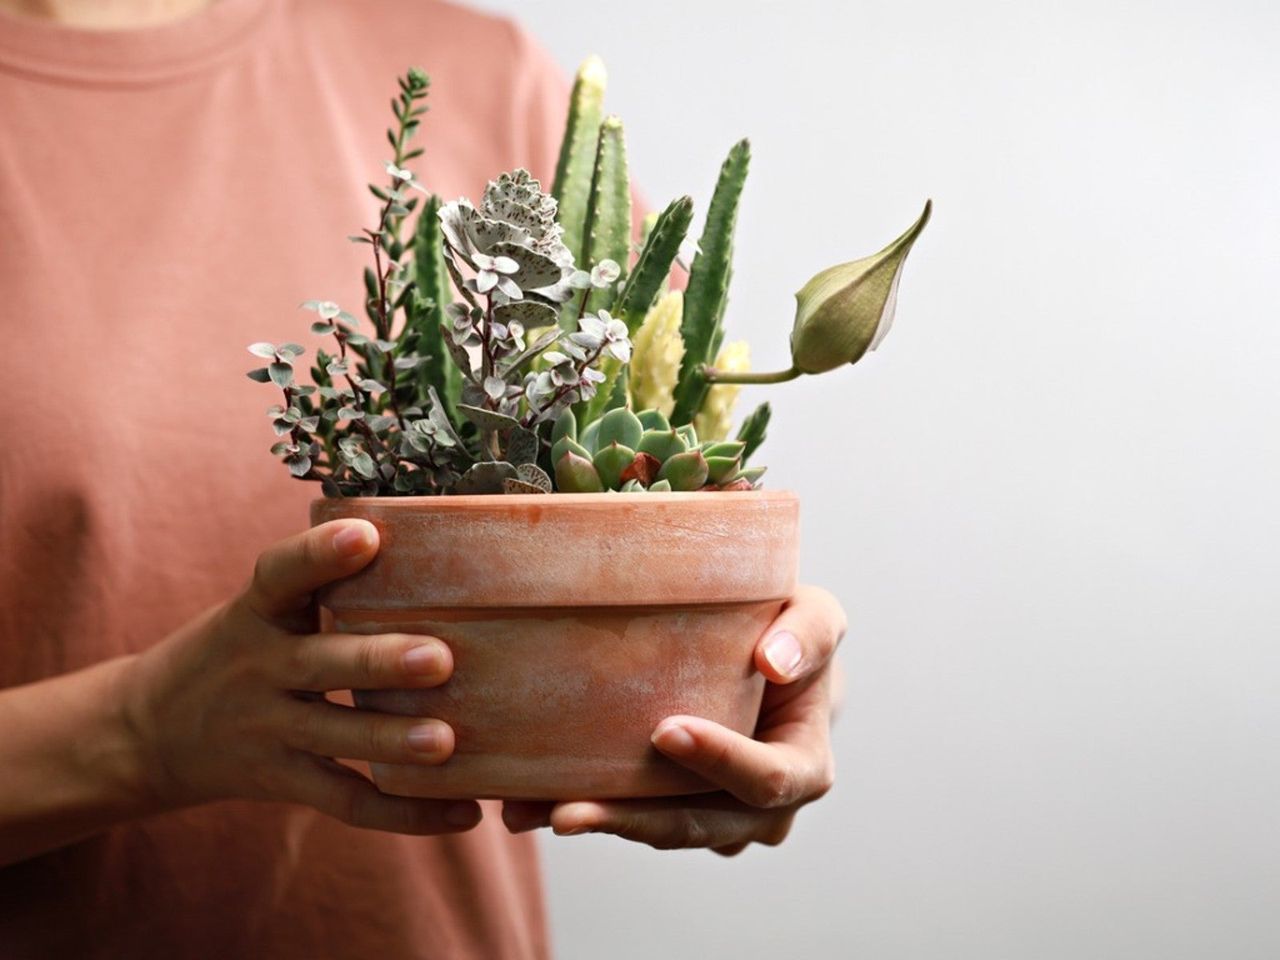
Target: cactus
[608,221]
[572,185]
[427,317]
[706,294]
[752,431]
[657,254]
[502,329]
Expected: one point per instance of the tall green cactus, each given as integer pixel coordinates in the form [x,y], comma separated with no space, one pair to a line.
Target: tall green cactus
[705,295]
[608,224]
[753,429]
[654,263]
[576,165]
[431,279]
[639,292]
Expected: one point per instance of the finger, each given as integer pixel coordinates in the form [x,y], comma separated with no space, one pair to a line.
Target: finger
[343,661]
[332,730]
[779,773]
[684,823]
[803,637]
[522,815]
[731,850]
[289,572]
[344,794]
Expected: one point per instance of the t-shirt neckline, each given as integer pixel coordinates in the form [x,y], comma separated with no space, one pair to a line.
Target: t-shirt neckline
[141,57]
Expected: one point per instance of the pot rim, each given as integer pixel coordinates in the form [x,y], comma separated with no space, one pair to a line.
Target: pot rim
[570,550]
[461,501]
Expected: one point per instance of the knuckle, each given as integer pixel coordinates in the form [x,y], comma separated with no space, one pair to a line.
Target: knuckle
[777,788]
[303,667]
[370,659]
[695,832]
[309,729]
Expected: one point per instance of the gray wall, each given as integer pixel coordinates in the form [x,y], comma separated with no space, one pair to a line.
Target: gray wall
[1049,502]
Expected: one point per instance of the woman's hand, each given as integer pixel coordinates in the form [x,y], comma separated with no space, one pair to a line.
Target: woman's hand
[764,781]
[232,705]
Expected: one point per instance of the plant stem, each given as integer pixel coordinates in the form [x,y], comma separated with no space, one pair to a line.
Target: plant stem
[712,375]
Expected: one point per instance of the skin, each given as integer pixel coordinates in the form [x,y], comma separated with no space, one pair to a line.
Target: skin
[764,781]
[229,706]
[232,705]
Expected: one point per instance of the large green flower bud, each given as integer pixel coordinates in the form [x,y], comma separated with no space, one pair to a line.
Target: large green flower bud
[846,310]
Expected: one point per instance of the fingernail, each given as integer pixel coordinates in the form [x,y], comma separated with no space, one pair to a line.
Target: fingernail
[783,652]
[425,738]
[574,831]
[422,661]
[352,540]
[462,814]
[673,738]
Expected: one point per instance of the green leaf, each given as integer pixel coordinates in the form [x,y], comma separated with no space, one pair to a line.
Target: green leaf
[281,374]
[720,469]
[654,420]
[260,375]
[485,477]
[588,435]
[662,444]
[610,461]
[707,291]
[723,448]
[660,486]
[488,419]
[685,471]
[575,474]
[566,425]
[619,426]
[565,444]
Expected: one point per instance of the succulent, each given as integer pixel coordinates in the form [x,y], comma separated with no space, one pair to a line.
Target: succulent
[634,452]
[521,345]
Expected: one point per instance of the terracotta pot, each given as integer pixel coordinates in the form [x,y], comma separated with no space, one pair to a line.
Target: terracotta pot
[577,623]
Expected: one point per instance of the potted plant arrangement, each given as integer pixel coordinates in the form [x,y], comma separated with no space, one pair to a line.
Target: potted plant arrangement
[538,425]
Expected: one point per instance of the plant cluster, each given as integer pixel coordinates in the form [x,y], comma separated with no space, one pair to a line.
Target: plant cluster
[523,345]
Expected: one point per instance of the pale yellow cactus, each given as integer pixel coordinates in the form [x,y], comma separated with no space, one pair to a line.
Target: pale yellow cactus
[657,349]
[716,416]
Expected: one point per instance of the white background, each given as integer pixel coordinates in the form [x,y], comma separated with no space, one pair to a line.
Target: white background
[1049,502]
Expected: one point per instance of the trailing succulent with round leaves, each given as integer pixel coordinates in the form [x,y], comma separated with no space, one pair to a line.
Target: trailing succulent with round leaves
[510,342]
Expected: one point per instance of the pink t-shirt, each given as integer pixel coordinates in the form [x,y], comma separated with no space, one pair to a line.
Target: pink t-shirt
[168,196]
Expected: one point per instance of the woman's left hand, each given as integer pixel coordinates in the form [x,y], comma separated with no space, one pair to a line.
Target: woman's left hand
[765,781]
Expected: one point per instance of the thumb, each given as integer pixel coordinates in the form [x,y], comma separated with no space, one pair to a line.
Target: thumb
[803,637]
[288,572]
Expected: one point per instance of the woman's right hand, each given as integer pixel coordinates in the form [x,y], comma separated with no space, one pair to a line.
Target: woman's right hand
[232,705]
